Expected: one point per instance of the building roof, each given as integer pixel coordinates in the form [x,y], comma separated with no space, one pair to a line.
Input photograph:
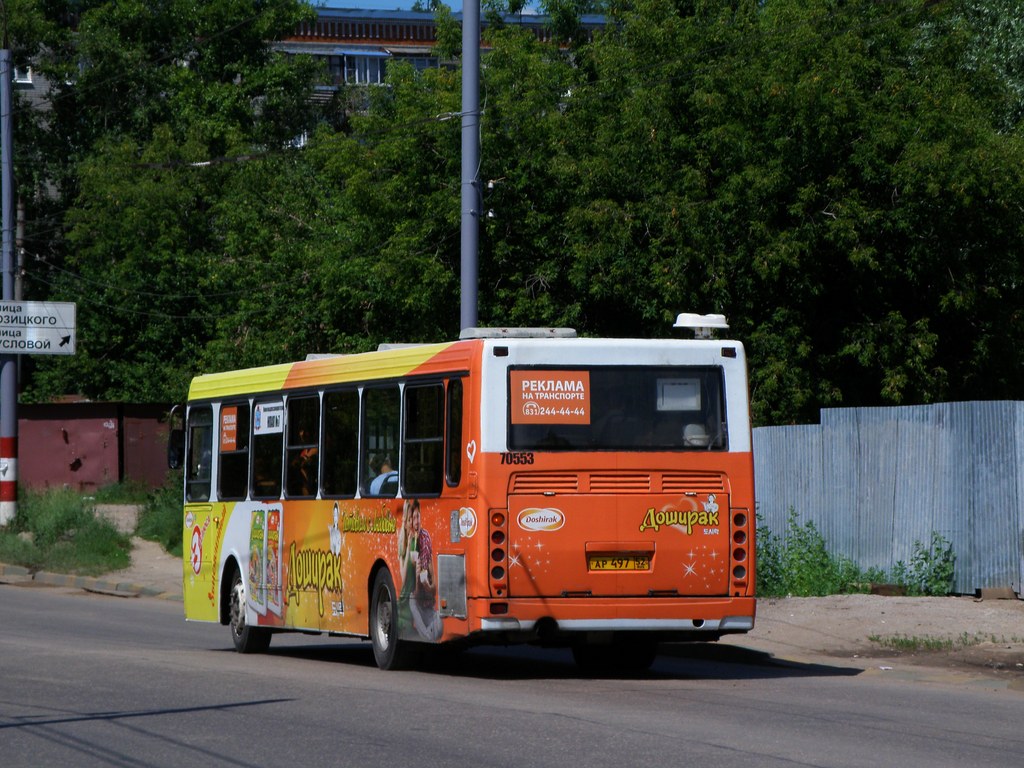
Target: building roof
[381,14]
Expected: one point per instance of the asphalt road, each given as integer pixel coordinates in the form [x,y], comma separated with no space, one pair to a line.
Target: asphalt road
[94,680]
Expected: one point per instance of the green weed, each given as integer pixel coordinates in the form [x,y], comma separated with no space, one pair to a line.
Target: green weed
[914,644]
[124,492]
[57,530]
[160,517]
[800,564]
[931,568]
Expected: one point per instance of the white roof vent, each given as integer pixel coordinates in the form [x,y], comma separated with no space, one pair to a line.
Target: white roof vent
[702,325]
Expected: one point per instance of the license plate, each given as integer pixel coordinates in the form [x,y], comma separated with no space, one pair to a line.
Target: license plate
[620,562]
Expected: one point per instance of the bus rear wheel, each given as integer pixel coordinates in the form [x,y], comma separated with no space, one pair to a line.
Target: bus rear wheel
[389,651]
[247,639]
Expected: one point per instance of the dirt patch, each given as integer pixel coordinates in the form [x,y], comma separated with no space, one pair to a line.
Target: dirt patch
[124,517]
[952,632]
[151,567]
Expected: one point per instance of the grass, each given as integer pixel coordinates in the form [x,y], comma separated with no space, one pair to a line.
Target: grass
[915,644]
[57,530]
[125,492]
[160,517]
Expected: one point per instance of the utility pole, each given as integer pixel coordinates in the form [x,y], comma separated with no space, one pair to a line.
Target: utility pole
[8,362]
[471,199]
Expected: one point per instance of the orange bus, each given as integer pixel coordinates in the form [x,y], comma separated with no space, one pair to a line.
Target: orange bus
[516,485]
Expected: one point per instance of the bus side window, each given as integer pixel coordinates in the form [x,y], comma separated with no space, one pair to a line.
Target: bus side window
[233,468]
[454,432]
[341,443]
[423,469]
[302,470]
[200,454]
[267,449]
[380,449]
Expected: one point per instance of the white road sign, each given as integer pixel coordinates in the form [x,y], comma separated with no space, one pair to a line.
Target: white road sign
[37,327]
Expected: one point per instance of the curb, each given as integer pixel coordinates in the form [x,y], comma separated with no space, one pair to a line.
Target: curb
[17,574]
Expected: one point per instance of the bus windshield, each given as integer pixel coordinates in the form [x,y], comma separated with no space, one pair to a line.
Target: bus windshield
[617,408]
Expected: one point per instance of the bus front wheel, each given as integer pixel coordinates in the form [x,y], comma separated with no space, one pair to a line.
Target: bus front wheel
[388,650]
[247,639]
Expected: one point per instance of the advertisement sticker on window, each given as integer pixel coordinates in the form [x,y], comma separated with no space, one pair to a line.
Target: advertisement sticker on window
[228,428]
[550,397]
[268,418]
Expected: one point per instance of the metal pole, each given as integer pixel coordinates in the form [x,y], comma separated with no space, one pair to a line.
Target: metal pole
[470,159]
[8,363]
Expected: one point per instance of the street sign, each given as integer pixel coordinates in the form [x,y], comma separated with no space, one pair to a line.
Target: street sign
[37,327]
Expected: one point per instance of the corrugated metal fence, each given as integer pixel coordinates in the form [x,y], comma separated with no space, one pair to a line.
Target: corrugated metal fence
[874,480]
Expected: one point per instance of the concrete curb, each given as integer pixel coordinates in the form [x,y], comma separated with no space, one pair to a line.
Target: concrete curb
[17,574]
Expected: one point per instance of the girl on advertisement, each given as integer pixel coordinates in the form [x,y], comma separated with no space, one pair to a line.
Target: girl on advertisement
[416,556]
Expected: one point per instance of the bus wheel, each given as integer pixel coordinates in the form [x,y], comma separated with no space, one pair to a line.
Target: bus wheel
[247,639]
[388,650]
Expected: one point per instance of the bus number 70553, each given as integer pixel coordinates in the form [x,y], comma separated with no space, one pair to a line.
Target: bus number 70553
[517,458]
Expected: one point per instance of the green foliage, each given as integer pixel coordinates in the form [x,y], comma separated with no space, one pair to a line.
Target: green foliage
[931,568]
[160,517]
[799,563]
[124,492]
[840,179]
[771,574]
[57,530]
[448,44]
[996,28]
[144,93]
[914,644]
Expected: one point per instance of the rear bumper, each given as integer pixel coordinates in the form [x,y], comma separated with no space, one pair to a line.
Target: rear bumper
[676,618]
[728,625]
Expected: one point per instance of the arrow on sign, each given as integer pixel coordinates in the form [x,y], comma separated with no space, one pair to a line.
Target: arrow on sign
[65,340]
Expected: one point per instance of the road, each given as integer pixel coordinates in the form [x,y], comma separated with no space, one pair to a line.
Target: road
[94,680]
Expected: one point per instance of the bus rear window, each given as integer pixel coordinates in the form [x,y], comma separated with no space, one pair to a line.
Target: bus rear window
[617,408]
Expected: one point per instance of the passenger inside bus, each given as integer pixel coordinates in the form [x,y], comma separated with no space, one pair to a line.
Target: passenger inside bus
[303,471]
[386,481]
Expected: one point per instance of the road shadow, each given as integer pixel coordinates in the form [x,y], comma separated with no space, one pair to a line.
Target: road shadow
[675,661]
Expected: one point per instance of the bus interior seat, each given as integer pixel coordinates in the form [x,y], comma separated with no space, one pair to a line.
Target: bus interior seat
[390,485]
[696,436]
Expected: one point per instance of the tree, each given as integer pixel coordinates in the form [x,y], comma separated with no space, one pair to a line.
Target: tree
[787,163]
[388,233]
[841,179]
[164,90]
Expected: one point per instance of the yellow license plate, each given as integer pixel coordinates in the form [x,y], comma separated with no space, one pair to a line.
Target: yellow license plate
[620,563]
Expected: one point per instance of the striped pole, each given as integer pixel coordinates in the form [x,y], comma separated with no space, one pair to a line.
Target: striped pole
[8,479]
[8,363]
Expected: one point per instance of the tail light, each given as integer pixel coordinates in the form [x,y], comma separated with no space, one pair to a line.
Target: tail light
[741,540]
[498,553]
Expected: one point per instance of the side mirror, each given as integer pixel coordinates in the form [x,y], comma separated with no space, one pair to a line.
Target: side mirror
[175,448]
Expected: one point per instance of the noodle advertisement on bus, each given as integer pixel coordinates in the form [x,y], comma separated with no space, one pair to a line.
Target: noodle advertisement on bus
[298,568]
